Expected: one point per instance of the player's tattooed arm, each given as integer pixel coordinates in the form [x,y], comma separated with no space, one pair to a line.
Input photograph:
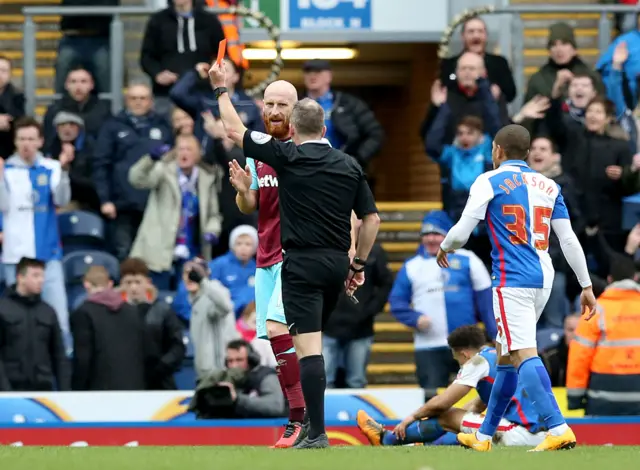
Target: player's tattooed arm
[442,402]
[475,406]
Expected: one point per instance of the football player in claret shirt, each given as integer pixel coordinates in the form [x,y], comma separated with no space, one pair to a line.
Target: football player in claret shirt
[521,207]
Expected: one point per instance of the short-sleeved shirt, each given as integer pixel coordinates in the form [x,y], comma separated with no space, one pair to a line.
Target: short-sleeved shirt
[518,205]
[264,181]
[318,187]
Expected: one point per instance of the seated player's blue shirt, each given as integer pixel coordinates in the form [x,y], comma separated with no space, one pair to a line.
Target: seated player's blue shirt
[518,205]
[480,372]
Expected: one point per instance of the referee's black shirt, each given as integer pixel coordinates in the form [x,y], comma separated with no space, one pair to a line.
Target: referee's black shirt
[318,187]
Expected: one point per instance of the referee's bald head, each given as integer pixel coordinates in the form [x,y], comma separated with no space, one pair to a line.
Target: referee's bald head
[307,121]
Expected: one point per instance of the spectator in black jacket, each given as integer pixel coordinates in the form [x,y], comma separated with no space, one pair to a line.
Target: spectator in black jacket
[194,94]
[72,139]
[135,132]
[85,40]
[164,345]
[467,99]
[78,97]
[32,354]
[351,125]
[556,358]
[349,331]
[474,39]
[595,155]
[108,339]
[11,107]
[544,159]
[176,39]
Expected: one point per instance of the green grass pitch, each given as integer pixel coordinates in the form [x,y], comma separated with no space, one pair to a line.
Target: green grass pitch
[335,458]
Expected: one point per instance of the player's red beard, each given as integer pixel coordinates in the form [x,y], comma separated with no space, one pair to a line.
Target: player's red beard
[279,130]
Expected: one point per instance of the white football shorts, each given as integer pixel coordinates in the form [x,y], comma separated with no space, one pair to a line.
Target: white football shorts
[517,311]
[508,434]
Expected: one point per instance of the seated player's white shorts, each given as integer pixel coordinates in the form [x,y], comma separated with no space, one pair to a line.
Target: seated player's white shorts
[508,434]
[268,298]
[517,311]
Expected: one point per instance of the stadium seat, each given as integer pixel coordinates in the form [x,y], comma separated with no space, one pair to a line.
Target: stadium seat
[167,296]
[188,344]
[548,338]
[186,377]
[81,230]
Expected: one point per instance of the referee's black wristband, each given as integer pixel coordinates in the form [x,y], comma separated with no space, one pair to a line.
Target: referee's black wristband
[220,90]
[356,270]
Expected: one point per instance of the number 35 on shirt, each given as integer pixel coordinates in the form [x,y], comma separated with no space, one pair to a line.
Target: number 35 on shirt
[540,225]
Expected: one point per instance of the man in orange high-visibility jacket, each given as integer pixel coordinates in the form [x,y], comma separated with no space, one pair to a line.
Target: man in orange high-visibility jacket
[231,28]
[603,373]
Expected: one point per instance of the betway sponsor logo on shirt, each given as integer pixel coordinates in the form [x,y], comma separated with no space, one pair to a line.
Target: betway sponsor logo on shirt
[268,181]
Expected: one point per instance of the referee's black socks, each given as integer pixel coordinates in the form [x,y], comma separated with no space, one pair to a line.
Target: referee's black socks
[314,382]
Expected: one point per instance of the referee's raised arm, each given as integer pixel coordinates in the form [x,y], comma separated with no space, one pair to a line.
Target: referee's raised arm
[232,122]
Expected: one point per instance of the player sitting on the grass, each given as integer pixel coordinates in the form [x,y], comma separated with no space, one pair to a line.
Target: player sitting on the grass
[521,425]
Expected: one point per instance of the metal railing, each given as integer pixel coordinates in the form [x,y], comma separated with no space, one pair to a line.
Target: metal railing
[117,58]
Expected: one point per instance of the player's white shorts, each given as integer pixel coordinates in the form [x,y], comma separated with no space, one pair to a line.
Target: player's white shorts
[508,434]
[517,311]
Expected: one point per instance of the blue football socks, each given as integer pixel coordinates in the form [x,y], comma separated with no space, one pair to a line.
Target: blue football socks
[423,431]
[503,390]
[536,383]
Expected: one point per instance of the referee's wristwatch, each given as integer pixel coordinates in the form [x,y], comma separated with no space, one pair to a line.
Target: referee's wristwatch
[359,262]
[220,90]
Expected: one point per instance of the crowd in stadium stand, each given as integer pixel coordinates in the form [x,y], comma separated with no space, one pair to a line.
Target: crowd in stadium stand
[148,203]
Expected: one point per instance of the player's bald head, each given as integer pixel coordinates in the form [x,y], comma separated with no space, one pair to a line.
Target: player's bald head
[281,90]
[514,141]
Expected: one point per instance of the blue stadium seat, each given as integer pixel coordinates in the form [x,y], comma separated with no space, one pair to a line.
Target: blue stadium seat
[167,296]
[188,344]
[186,377]
[548,338]
[75,264]
[81,230]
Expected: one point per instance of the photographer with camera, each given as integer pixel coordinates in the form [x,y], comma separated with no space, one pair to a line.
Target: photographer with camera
[245,389]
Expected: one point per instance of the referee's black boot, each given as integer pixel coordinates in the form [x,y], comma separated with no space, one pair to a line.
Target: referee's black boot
[320,442]
[304,432]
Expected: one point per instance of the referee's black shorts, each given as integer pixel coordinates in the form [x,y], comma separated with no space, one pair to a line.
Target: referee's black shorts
[312,282]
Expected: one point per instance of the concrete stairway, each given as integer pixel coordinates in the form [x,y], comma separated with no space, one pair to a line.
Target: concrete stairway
[48,35]
[536,30]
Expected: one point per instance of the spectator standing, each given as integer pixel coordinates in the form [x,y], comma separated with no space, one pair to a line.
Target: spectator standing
[212,322]
[351,125]
[32,353]
[72,143]
[348,333]
[556,358]
[164,346]
[194,94]
[595,157]
[11,107]
[544,159]
[474,39]
[470,98]
[562,56]
[435,301]
[31,190]
[123,140]
[615,86]
[181,122]
[175,40]
[85,40]
[79,97]
[184,201]
[108,337]
[603,370]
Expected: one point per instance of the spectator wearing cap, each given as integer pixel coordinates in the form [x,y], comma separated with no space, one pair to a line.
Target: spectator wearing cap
[194,94]
[183,201]
[472,97]
[351,125]
[474,39]
[135,132]
[434,301]
[79,97]
[562,56]
[73,141]
[175,40]
[11,107]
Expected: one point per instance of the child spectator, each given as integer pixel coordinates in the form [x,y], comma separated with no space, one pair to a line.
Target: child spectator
[246,324]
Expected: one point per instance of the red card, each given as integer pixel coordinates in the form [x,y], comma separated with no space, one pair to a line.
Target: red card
[222,48]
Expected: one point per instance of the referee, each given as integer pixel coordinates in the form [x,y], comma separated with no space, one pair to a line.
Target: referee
[319,187]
